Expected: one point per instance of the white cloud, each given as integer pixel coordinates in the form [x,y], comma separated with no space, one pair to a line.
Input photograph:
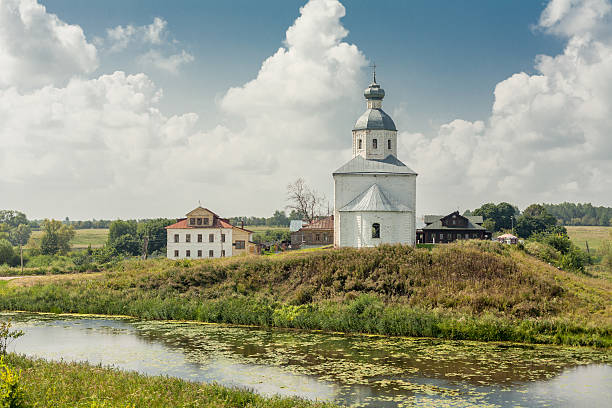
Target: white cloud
[548,137]
[37,48]
[170,63]
[118,38]
[104,143]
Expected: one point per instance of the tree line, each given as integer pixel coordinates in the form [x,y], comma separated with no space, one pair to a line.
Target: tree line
[580,214]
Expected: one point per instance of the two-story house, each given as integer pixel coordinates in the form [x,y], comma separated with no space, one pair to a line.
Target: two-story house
[203,234]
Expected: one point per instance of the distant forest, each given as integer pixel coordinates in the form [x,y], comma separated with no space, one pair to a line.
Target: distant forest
[580,214]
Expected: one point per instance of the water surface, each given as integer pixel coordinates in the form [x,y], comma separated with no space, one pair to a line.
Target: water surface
[352,370]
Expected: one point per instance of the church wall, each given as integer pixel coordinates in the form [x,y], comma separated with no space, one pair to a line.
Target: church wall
[394,227]
[367,136]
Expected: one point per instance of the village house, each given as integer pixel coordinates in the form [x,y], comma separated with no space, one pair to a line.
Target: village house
[451,227]
[317,233]
[203,234]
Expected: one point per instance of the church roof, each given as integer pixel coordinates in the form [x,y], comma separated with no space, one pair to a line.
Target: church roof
[374,119]
[389,165]
[374,199]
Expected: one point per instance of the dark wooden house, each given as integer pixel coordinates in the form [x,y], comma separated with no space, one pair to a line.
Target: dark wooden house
[317,233]
[451,227]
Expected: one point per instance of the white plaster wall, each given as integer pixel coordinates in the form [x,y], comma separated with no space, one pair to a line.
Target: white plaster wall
[367,151]
[348,186]
[395,227]
[194,245]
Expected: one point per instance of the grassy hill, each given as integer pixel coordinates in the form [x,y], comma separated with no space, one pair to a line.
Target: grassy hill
[467,290]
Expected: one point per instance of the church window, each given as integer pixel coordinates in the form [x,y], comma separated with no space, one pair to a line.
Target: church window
[389,144]
[376,229]
[375,143]
[359,143]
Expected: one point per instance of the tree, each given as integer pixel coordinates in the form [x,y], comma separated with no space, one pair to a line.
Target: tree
[304,199]
[12,218]
[127,245]
[56,237]
[6,251]
[536,219]
[20,236]
[119,228]
[155,230]
[497,217]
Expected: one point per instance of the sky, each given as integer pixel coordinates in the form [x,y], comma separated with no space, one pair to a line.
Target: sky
[142,109]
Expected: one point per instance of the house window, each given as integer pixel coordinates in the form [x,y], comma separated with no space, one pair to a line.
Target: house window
[239,244]
[211,237]
[376,229]
[359,142]
[317,237]
[199,237]
[199,221]
[176,253]
[222,252]
[176,237]
[467,236]
[222,237]
[324,237]
[441,236]
[192,221]
[199,253]
[188,238]
[205,221]
[389,144]
[211,253]
[187,253]
[375,143]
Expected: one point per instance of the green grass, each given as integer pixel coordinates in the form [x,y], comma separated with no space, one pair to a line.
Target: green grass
[264,228]
[83,238]
[76,385]
[468,290]
[595,236]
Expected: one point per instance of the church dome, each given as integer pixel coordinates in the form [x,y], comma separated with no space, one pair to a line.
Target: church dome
[374,119]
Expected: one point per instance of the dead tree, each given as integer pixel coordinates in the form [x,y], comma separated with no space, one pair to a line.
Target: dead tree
[305,200]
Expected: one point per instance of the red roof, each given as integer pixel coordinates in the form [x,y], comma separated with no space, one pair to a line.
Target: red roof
[217,223]
[326,223]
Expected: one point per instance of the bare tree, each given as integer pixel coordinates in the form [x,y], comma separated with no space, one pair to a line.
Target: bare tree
[305,200]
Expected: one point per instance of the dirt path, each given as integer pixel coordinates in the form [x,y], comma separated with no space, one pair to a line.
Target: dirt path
[8,278]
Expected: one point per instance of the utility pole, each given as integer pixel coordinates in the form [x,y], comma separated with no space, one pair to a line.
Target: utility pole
[21,254]
[145,247]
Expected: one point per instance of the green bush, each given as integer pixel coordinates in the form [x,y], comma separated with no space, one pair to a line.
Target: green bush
[6,252]
[11,394]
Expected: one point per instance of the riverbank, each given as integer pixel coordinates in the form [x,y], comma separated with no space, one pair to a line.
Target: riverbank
[471,290]
[61,384]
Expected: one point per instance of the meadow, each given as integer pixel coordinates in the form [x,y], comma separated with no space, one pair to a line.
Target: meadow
[594,235]
[80,385]
[83,238]
[455,291]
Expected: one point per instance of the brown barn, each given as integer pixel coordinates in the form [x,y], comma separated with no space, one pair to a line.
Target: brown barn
[317,233]
[451,227]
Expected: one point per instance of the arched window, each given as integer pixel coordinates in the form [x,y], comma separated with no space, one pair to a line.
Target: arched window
[359,143]
[389,144]
[376,229]
[375,143]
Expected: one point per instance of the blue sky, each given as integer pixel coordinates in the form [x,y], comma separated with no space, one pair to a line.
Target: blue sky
[137,109]
[437,59]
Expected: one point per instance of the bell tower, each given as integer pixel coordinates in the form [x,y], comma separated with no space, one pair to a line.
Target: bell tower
[374,133]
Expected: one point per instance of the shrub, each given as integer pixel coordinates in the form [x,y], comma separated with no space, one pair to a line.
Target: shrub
[11,394]
[6,251]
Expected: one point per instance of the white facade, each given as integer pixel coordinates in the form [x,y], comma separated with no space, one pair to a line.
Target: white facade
[184,243]
[374,193]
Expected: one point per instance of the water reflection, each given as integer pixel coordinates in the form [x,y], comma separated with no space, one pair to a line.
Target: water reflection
[352,370]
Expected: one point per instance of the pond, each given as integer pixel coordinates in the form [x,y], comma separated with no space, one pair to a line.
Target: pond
[352,370]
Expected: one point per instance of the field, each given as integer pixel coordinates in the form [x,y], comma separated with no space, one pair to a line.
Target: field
[456,291]
[83,238]
[75,385]
[580,235]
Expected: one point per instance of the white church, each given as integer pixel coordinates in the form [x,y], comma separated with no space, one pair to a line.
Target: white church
[374,193]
